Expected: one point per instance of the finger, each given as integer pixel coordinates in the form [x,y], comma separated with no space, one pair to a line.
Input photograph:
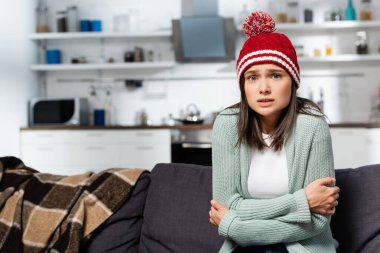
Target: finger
[326,181]
[335,204]
[212,222]
[215,204]
[336,189]
[331,211]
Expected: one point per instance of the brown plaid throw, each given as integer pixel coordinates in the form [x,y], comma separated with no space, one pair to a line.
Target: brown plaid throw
[49,213]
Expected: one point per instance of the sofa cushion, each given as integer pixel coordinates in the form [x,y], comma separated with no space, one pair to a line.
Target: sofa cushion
[356,224]
[121,232]
[176,211]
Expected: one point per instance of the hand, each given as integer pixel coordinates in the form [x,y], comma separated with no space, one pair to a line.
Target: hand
[322,197]
[217,212]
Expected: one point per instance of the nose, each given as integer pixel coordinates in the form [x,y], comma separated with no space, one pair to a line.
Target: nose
[264,87]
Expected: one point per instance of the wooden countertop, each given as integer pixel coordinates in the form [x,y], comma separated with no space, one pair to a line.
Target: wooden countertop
[179,127]
[60,127]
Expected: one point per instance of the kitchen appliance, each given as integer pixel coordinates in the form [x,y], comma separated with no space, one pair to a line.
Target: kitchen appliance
[204,39]
[191,146]
[193,115]
[58,111]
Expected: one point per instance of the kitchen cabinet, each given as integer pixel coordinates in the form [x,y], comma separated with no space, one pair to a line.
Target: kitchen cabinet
[350,147]
[48,151]
[374,146]
[76,151]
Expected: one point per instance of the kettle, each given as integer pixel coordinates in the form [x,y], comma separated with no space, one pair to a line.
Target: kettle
[192,115]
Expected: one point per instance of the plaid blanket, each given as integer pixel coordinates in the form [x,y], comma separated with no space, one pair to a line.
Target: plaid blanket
[48,213]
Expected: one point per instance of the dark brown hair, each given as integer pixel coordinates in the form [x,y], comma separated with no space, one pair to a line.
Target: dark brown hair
[249,127]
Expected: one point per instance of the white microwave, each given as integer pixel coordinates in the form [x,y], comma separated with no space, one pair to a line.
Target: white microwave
[58,111]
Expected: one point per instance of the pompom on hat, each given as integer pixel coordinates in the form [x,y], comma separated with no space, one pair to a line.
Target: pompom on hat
[264,45]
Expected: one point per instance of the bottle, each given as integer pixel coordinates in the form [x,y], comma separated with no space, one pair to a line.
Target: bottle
[366,10]
[350,13]
[72,19]
[42,17]
[320,102]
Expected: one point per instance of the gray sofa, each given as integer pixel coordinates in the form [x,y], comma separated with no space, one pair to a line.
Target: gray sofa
[168,212]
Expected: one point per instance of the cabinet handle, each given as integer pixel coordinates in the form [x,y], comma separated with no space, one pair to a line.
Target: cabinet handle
[144,134]
[95,148]
[144,148]
[95,134]
[196,145]
[46,149]
[44,135]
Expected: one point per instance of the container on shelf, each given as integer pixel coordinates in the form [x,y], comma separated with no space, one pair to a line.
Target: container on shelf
[366,10]
[53,56]
[61,21]
[362,42]
[281,15]
[72,19]
[42,18]
[293,12]
[350,13]
[308,16]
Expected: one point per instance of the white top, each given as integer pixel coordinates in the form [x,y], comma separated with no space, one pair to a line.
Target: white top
[268,174]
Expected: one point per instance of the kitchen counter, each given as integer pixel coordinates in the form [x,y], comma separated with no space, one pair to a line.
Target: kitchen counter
[134,127]
[179,127]
[355,125]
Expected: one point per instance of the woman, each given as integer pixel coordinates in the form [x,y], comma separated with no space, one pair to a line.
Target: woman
[272,157]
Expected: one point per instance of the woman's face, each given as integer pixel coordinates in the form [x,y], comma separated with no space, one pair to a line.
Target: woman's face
[268,89]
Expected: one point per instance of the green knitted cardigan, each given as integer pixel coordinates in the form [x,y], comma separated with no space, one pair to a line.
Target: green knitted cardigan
[286,219]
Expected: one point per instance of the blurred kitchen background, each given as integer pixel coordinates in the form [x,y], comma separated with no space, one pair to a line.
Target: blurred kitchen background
[128,60]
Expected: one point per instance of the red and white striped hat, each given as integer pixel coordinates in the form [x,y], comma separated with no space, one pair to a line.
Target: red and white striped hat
[266,46]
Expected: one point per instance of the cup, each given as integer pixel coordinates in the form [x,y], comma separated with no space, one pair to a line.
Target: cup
[96,25]
[99,117]
[85,25]
[53,56]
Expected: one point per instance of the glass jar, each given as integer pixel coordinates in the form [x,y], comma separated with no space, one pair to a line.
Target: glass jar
[281,16]
[42,18]
[61,21]
[293,12]
[72,19]
[366,12]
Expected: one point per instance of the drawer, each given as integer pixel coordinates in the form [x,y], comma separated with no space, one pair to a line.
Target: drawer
[144,155]
[145,136]
[95,154]
[95,136]
[41,137]
[45,154]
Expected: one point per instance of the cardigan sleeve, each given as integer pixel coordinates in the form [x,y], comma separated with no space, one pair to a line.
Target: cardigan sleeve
[226,177]
[280,229]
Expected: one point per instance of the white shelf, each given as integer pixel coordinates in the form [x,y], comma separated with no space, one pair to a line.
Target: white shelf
[331,25]
[99,35]
[341,58]
[105,66]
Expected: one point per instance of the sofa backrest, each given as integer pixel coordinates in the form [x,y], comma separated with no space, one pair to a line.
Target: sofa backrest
[176,214]
[356,223]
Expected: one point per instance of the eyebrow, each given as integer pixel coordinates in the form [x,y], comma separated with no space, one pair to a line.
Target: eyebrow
[268,70]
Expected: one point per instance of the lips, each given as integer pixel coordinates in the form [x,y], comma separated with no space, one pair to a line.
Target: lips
[265,102]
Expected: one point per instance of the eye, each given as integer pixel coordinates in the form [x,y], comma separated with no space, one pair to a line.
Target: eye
[276,76]
[251,78]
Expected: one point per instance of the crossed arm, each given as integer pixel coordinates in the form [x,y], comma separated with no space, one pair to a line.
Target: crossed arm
[292,217]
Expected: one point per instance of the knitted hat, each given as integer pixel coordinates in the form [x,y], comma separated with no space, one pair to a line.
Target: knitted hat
[266,46]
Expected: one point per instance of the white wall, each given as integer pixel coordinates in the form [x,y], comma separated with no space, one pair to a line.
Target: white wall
[17,83]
